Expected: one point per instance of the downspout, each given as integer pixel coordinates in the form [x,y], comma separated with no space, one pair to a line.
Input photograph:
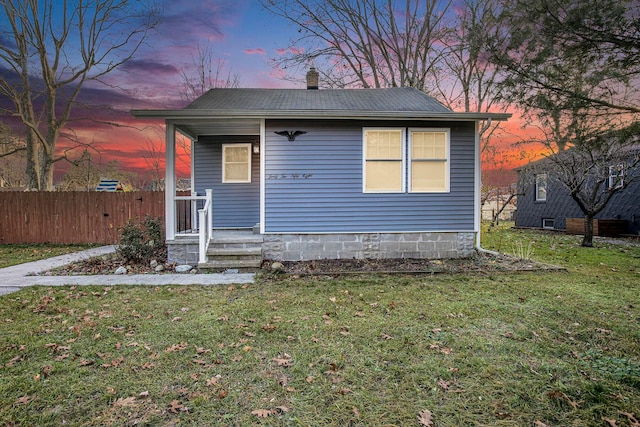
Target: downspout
[478,246]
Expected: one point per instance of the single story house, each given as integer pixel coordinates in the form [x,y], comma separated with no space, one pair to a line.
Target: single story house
[323,174]
[545,202]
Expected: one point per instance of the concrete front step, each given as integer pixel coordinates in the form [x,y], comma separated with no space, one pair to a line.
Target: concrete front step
[249,239]
[225,264]
[234,250]
[217,252]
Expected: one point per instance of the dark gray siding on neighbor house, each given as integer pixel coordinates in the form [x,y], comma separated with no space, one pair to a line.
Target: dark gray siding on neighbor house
[234,205]
[314,184]
[559,205]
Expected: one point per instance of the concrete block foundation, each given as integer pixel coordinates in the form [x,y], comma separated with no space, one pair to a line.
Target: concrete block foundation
[306,247]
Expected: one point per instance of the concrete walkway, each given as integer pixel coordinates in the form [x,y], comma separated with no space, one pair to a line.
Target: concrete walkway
[20,276]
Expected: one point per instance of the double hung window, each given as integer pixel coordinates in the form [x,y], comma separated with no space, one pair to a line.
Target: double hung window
[394,163]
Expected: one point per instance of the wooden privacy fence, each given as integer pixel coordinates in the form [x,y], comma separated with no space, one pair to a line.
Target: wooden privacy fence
[72,217]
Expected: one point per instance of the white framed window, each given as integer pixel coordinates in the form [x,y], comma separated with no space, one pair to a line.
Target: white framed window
[541,187]
[429,160]
[548,223]
[236,163]
[383,160]
[616,177]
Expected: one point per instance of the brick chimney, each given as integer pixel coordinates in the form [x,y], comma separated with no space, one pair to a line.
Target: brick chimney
[312,78]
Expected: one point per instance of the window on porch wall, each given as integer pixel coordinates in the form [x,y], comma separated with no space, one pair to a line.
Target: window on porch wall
[236,163]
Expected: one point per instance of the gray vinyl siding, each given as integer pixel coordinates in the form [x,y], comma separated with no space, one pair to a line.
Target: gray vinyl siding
[314,184]
[234,205]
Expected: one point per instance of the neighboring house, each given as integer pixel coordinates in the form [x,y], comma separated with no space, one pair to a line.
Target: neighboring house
[326,174]
[544,202]
[109,185]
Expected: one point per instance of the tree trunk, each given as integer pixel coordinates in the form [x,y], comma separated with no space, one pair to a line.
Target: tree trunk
[587,240]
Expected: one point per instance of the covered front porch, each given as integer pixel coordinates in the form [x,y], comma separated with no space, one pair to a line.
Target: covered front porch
[216,224]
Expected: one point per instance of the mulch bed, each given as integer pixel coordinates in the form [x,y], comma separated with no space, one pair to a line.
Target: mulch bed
[482,263]
[485,263]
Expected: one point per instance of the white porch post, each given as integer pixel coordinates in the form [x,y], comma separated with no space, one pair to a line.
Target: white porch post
[170,182]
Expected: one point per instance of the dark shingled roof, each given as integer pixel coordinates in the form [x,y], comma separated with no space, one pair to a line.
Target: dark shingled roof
[363,100]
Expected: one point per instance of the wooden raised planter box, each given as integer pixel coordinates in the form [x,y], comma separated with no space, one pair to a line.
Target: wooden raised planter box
[601,227]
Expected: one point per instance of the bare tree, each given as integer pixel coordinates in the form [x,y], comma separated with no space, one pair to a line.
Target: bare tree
[205,73]
[12,159]
[83,174]
[464,80]
[52,49]
[366,43]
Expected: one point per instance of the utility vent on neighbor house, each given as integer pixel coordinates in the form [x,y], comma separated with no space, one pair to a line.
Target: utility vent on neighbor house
[313,78]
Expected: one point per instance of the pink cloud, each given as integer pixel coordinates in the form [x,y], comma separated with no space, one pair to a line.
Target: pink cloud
[292,50]
[257,51]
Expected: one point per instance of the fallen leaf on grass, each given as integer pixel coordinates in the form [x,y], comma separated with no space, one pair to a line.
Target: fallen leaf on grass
[176,347]
[283,381]
[263,413]
[386,337]
[425,418]
[124,402]
[537,423]
[85,362]
[356,412]
[23,400]
[282,361]
[144,394]
[175,406]
[633,421]
[557,394]
[610,422]
[222,394]
[46,370]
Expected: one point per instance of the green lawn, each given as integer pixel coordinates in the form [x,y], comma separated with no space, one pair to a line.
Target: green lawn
[525,349]
[19,254]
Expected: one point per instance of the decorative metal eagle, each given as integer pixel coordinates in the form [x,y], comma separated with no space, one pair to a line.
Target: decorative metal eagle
[291,134]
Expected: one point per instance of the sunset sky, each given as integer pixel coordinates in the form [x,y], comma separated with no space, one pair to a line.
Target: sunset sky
[239,32]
